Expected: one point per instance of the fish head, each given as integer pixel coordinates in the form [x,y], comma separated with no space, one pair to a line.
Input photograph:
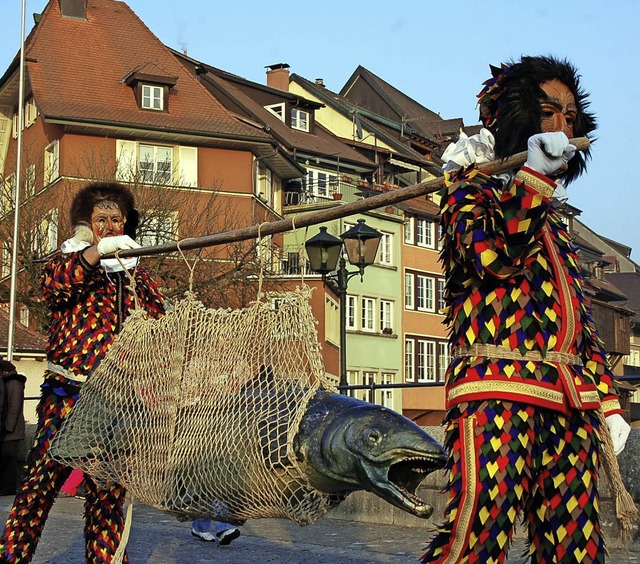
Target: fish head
[376,449]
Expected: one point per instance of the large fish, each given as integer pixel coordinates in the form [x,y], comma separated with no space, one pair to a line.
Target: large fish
[256,455]
[345,445]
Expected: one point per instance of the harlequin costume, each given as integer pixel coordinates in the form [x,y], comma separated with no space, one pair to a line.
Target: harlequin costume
[528,370]
[88,306]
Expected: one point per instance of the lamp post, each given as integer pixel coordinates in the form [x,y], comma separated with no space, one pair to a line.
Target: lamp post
[325,253]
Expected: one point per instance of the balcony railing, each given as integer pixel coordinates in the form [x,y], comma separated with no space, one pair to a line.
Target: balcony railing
[345,191]
[291,263]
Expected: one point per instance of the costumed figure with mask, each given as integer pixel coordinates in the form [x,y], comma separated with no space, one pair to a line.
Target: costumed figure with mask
[528,371]
[89,299]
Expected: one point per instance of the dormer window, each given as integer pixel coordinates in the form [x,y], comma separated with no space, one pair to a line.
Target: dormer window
[277,110]
[299,119]
[151,91]
[152,97]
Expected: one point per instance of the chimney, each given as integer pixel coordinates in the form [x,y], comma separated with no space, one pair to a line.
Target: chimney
[73,9]
[320,82]
[278,76]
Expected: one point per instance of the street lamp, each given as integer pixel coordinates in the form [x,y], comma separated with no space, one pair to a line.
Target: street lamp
[360,243]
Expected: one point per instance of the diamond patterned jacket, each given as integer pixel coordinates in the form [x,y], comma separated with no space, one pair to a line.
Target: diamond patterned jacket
[521,325]
[88,307]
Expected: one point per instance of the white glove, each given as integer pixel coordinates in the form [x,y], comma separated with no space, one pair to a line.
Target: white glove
[549,153]
[108,245]
[478,149]
[619,430]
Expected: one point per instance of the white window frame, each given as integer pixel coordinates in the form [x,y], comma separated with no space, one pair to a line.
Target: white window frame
[158,164]
[440,297]
[386,394]
[277,110]
[159,227]
[184,163]
[368,378]
[52,162]
[264,183]
[409,231]
[30,113]
[409,360]
[385,251]
[424,232]
[319,181]
[14,126]
[353,377]
[409,296]
[386,314]
[444,358]
[45,234]
[367,314]
[24,315]
[351,307]
[425,293]
[5,265]
[300,119]
[152,97]
[426,360]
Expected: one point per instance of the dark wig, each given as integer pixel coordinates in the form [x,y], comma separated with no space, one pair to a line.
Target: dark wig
[92,194]
[510,106]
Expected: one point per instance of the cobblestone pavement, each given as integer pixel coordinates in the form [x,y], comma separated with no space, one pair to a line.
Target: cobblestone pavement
[159,539]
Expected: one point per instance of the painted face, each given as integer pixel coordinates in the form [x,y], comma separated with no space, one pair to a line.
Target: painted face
[559,110]
[106,220]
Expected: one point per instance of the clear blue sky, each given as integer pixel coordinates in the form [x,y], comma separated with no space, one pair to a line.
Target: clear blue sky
[436,52]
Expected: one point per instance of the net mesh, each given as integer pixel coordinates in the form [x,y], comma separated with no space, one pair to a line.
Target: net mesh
[195,413]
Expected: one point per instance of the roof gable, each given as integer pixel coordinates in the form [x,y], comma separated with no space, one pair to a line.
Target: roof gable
[372,92]
[78,71]
[322,142]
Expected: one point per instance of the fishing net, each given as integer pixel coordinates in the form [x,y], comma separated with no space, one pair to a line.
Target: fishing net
[195,413]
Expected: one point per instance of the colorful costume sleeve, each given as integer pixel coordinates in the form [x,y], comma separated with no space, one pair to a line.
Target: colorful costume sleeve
[65,277]
[597,364]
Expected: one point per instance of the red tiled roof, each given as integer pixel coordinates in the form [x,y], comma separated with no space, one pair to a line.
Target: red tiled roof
[322,142]
[77,70]
[421,206]
[24,339]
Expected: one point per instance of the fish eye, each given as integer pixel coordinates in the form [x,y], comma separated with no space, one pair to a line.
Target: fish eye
[373,436]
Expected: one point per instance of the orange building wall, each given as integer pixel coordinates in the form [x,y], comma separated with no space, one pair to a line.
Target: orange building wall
[422,323]
[226,170]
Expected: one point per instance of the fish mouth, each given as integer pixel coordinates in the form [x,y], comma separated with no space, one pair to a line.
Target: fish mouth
[398,484]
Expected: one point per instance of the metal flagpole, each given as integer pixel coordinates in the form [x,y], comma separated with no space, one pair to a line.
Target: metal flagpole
[16,196]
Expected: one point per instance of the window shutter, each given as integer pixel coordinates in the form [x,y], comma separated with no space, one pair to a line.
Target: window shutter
[126,160]
[187,166]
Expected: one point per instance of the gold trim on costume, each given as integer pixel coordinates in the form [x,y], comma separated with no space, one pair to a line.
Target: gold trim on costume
[570,385]
[498,351]
[470,487]
[568,312]
[610,405]
[536,183]
[500,386]
[590,397]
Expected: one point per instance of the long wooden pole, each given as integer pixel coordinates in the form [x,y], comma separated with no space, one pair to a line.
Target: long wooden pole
[329,214]
[16,198]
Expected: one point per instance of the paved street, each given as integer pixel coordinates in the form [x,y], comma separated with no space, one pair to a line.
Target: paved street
[159,539]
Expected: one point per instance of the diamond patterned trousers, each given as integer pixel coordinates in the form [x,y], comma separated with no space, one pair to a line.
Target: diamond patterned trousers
[103,508]
[509,459]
